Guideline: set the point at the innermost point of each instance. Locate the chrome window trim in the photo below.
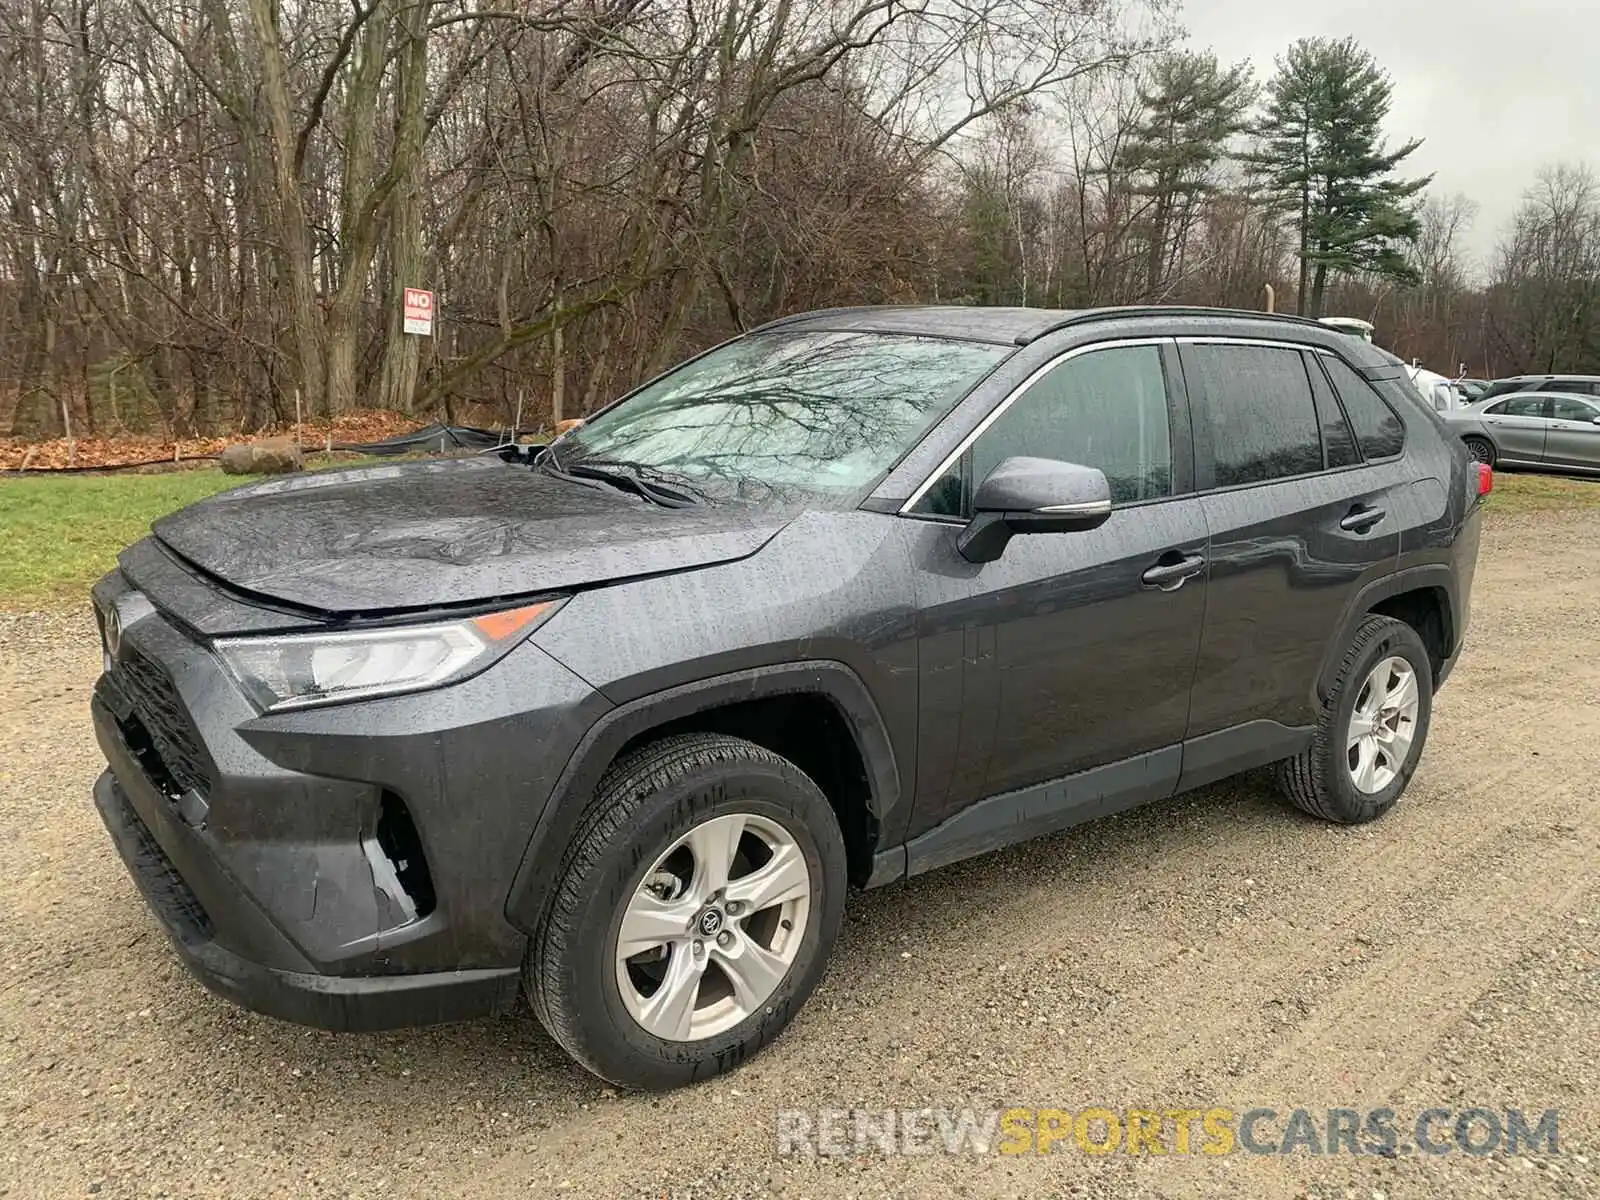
(1017, 392)
(1274, 343)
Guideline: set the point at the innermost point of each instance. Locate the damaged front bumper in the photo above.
(303, 996)
(344, 867)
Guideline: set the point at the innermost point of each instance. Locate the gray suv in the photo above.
(1571, 385)
(614, 723)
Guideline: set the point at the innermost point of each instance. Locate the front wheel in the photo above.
(1481, 449)
(1372, 727)
(695, 913)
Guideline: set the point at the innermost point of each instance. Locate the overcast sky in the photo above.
(1498, 88)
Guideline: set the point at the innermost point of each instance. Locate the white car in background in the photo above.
(1354, 326)
(1436, 389)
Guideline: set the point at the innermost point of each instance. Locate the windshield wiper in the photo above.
(637, 478)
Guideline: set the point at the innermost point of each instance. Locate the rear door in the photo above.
(1300, 517)
(1518, 425)
(1573, 438)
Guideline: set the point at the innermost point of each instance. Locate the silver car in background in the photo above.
(1531, 429)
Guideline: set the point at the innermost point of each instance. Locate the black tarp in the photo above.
(434, 439)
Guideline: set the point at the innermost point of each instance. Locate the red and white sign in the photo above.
(419, 312)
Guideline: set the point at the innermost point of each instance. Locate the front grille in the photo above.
(154, 700)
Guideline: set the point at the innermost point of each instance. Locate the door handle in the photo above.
(1359, 520)
(1169, 576)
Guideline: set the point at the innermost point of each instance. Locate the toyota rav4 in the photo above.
(614, 723)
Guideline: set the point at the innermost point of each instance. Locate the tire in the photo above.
(1481, 449)
(1322, 779)
(646, 805)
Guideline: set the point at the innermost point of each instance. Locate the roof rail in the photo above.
(812, 314)
(1090, 315)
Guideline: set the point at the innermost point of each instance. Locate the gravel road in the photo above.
(1215, 950)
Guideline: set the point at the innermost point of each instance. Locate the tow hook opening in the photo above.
(399, 867)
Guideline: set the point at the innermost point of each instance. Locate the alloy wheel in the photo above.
(713, 928)
(1383, 725)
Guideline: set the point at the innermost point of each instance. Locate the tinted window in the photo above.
(1257, 403)
(1106, 409)
(1584, 387)
(1519, 406)
(1379, 430)
(1338, 443)
(820, 412)
(1501, 387)
(1568, 409)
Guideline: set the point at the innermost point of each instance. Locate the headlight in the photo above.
(324, 668)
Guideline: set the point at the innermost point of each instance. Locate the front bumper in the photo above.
(326, 1001)
(266, 844)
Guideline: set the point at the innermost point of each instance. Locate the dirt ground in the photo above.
(1218, 949)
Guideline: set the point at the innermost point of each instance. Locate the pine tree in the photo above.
(1321, 154)
(1191, 109)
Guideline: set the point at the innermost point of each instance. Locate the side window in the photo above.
(1105, 409)
(1568, 409)
(1338, 443)
(1379, 430)
(1257, 405)
(1518, 406)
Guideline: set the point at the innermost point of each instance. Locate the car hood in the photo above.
(427, 535)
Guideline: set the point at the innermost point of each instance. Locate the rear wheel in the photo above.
(695, 912)
(1481, 449)
(1372, 728)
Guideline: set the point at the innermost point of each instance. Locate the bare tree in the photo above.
(208, 208)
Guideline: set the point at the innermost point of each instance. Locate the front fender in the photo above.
(536, 877)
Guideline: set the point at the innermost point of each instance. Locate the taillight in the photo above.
(1485, 478)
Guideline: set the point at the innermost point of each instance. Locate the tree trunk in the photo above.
(402, 352)
(558, 372)
(298, 279)
(1319, 290)
(1305, 223)
(358, 232)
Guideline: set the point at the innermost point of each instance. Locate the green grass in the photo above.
(59, 534)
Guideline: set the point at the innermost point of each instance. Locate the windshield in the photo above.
(821, 412)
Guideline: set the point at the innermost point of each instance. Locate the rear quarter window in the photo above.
(1379, 430)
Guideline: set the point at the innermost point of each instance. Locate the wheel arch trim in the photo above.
(1436, 576)
(835, 682)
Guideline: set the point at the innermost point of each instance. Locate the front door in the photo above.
(1573, 438)
(1067, 657)
(1518, 426)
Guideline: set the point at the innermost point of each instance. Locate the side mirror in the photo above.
(1032, 495)
(1597, 420)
